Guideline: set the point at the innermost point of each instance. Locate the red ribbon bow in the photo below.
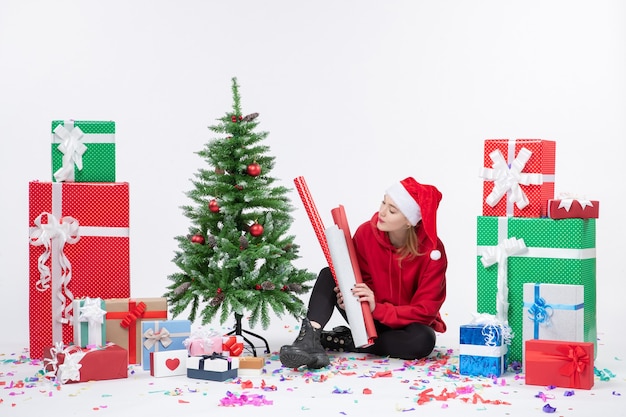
(577, 360)
(133, 315)
(233, 347)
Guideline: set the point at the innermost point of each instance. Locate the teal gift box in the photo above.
(482, 350)
(162, 335)
(557, 252)
(83, 151)
(89, 321)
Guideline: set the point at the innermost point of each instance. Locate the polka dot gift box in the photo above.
(557, 252)
(79, 247)
(83, 151)
(518, 177)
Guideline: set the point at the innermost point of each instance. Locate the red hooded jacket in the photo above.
(411, 291)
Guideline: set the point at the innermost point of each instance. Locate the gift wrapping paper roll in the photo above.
(346, 280)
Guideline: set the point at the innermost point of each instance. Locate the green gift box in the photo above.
(556, 252)
(83, 151)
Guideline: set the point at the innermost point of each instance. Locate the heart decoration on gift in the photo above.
(172, 364)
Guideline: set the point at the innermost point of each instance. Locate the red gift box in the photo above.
(124, 317)
(75, 364)
(573, 208)
(79, 247)
(559, 363)
(518, 177)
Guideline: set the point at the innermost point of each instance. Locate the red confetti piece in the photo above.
(367, 391)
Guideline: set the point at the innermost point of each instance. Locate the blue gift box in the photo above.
(482, 351)
(162, 335)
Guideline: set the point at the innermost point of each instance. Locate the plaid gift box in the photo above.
(79, 247)
(558, 252)
(124, 318)
(162, 335)
(518, 177)
(83, 151)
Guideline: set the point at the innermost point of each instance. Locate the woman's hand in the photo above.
(363, 293)
(340, 298)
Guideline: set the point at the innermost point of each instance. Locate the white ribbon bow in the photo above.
(92, 313)
(499, 254)
(567, 199)
(65, 231)
(69, 370)
(72, 148)
(507, 178)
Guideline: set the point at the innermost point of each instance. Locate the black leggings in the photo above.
(414, 341)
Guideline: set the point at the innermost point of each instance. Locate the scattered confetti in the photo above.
(548, 409)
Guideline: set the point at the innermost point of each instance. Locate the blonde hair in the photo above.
(410, 249)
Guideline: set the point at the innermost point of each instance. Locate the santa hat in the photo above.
(418, 202)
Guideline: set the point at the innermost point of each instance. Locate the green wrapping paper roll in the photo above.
(559, 252)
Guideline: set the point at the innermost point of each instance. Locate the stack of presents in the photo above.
(536, 272)
(82, 321)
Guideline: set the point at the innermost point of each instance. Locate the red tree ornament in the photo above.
(239, 187)
(256, 230)
(257, 287)
(254, 169)
(233, 119)
(197, 239)
(213, 206)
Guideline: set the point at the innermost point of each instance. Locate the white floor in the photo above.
(351, 385)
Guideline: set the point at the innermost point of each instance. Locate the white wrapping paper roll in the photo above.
(346, 279)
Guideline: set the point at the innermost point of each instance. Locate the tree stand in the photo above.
(239, 332)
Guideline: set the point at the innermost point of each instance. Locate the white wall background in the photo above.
(355, 95)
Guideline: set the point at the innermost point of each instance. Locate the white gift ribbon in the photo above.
(567, 199)
(92, 313)
(53, 236)
(499, 254)
(69, 370)
(507, 179)
(72, 147)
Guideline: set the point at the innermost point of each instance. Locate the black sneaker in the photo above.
(338, 339)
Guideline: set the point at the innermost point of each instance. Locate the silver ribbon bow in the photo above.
(152, 337)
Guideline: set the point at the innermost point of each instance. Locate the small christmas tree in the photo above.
(238, 255)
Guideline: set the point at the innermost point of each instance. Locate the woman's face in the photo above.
(390, 218)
